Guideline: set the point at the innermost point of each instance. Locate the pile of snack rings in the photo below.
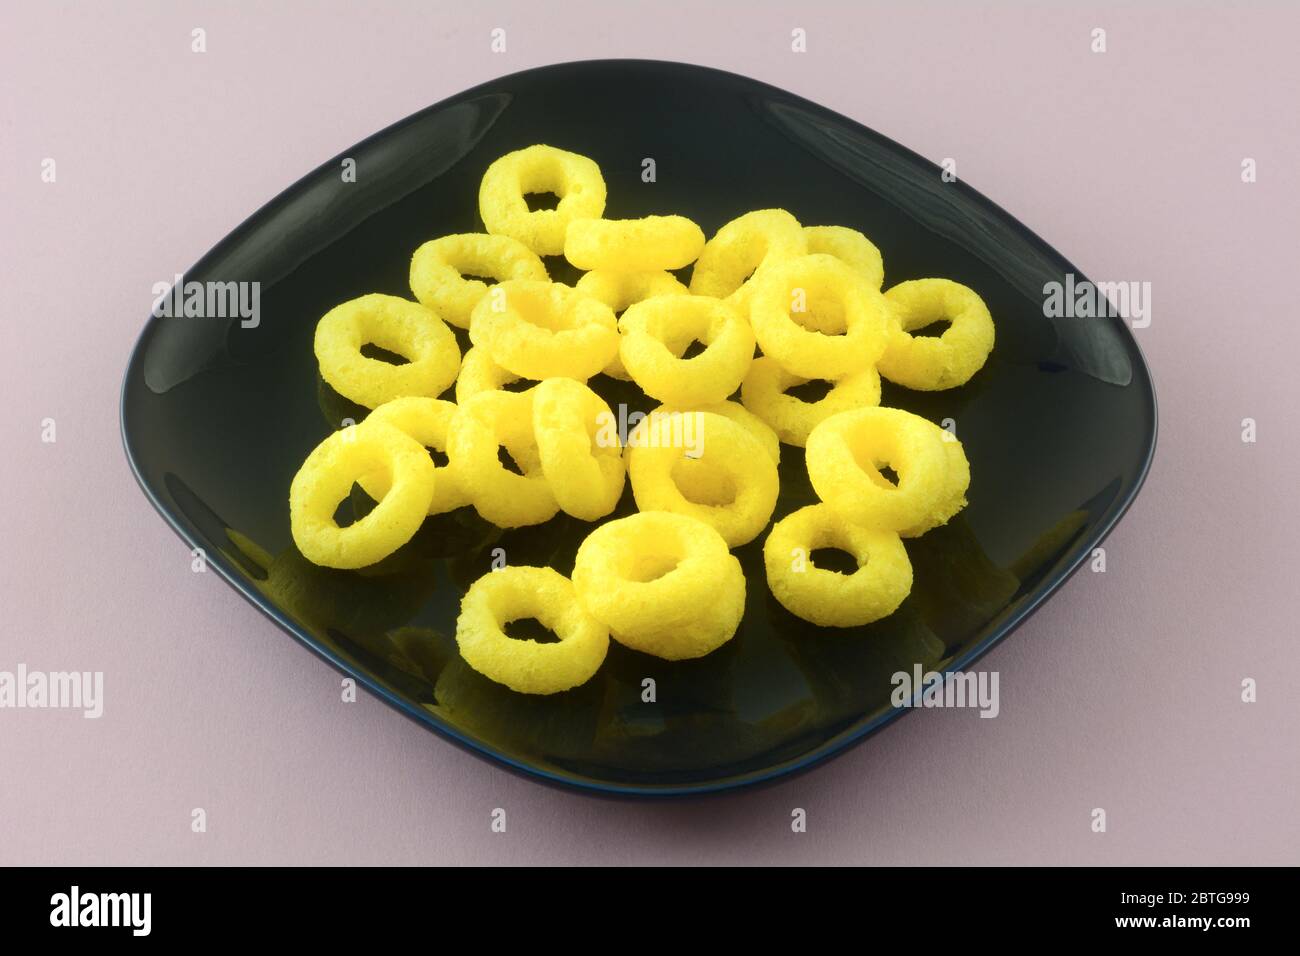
(662, 581)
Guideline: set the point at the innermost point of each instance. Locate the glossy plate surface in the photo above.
(1059, 426)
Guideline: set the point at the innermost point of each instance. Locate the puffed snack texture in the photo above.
(781, 333)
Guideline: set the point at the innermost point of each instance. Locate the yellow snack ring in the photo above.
(577, 442)
(743, 247)
(854, 250)
(664, 584)
(540, 169)
(618, 290)
(953, 497)
(426, 420)
(702, 481)
(526, 666)
(407, 328)
(478, 373)
(850, 247)
(439, 271)
(658, 330)
(844, 454)
(327, 477)
(814, 282)
(633, 245)
(728, 449)
(483, 424)
(544, 330)
(764, 394)
(827, 598)
(929, 364)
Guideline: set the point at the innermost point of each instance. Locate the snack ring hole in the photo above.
(717, 490)
(820, 313)
(693, 348)
(535, 312)
(508, 460)
(345, 514)
(689, 338)
(650, 567)
(543, 183)
(811, 391)
(878, 470)
(529, 629)
(381, 341)
(643, 565)
(356, 502)
(934, 330)
(380, 354)
(833, 559)
(877, 460)
(547, 199)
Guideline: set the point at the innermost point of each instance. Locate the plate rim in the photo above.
(832, 747)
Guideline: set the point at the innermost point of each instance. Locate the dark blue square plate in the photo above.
(217, 415)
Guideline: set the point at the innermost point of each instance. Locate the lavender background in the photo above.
(1122, 693)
